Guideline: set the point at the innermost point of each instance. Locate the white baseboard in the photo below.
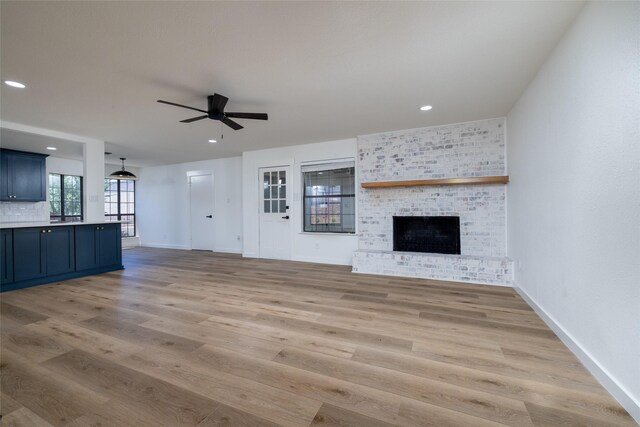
(228, 250)
(187, 248)
(316, 260)
(319, 260)
(164, 246)
(130, 242)
(602, 375)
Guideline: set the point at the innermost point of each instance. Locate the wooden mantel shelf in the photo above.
(477, 180)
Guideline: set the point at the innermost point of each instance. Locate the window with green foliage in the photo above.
(65, 198)
(119, 204)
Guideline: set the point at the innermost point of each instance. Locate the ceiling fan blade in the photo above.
(193, 119)
(217, 102)
(256, 116)
(233, 125)
(181, 106)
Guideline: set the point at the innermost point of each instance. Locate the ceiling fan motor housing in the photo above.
(215, 111)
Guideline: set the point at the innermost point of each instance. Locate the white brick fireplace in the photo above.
(463, 150)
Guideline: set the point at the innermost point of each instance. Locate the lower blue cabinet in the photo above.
(98, 246)
(60, 251)
(29, 257)
(40, 252)
(6, 256)
(37, 255)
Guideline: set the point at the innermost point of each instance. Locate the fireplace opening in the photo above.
(431, 234)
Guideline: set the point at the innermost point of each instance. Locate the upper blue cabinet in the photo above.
(23, 176)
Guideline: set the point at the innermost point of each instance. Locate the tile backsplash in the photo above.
(24, 211)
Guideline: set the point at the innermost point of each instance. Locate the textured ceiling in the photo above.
(321, 70)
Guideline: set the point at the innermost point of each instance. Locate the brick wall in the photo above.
(459, 150)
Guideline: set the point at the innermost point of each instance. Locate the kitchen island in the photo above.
(35, 253)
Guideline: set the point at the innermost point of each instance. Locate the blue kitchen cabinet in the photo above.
(98, 246)
(23, 176)
(29, 258)
(60, 251)
(42, 251)
(37, 255)
(6, 257)
(110, 245)
(87, 246)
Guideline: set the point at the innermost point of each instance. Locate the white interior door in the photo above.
(275, 225)
(201, 211)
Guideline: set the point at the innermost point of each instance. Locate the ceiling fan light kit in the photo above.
(215, 111)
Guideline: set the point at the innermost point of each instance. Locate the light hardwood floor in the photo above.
(194, 338)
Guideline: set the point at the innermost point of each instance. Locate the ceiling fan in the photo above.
(215, 111)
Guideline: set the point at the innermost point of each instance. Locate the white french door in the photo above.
(275, 223)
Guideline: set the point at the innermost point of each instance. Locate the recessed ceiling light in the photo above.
(213, 141)
(51, 148)
(426, 108)
(14, 84)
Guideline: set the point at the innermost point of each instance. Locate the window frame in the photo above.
(119, 215)
(63, 217)
(327, 167)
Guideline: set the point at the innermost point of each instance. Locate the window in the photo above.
(329, 198)
(119, 204)
(275, 192)
(65, 198)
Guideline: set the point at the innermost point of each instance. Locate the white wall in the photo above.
(323, 248)
(64, 166)
(162, 206)
(574, 198)
(76, 167)
(93, 180)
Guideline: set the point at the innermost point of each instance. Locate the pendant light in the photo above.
(122, 174)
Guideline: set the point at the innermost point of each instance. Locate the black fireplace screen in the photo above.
(432, 234)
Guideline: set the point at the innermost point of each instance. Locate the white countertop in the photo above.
(26, 224)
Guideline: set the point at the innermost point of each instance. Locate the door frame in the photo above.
(292, 210)
(213, 201)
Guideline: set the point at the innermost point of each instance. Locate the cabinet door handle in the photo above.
(43, 231)
(48, 231)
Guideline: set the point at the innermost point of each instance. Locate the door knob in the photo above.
(209, 216)
(285, 217)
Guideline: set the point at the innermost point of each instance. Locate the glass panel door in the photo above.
(274, 192)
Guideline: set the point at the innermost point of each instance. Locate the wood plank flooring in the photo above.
(201, 339)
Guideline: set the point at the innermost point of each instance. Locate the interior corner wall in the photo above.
(93, 180)
(321, 247)
(574, 201)
(162, 205)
